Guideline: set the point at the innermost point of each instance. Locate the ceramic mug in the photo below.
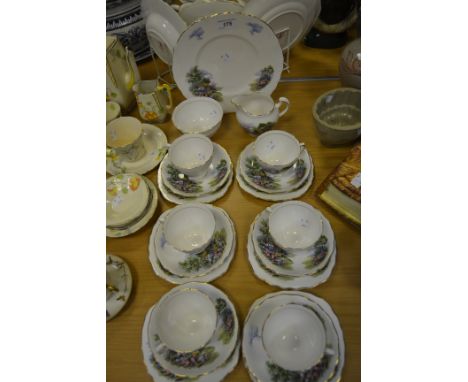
(153, 100)
(258, 113)
(124, 139)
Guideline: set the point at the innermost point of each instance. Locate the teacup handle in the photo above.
(166, 89)
(282, 101)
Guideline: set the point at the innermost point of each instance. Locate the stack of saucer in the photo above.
(131, 201)
(292, 336)
(275, 167)
(192, 333)
(291, 245)
(195, 170)
(192, 242)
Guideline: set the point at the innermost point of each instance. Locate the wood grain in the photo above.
(342, 290)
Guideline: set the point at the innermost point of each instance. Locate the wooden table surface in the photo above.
(342, 290)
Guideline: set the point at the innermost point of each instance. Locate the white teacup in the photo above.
(191, 154)
(124, 139)
(295, 225)
(189, 227)
(185, 320)
(294, 337)
(277, 150)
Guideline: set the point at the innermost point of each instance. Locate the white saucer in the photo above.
(118, 275)
(284, 281)
(297, 263)
(182, 185)
(174, 279)
(159, 374)
(273, 197)
(155, 142)
(141, 222)
(215, 352)
(279, 183)
(256, 359)
(207, 198)
(190, 12)
(178, 262)
(281, 15)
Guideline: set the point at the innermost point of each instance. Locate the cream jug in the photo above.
(121, 73)
(153, 100)
(258, 113)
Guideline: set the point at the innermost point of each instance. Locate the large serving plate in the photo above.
(225, 55)
(163, 28)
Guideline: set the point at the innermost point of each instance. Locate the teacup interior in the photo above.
(197, 116)
(190, 152)
(294, 337)
(277, 148)
(186, 320)
(123, 131)
(189, 228)
(295, 225)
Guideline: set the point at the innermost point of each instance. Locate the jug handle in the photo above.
(281, 101)
(167, 89)
(131, 82)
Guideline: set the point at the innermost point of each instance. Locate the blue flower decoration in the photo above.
(254, 28)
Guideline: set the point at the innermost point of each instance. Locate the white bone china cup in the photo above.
(191, 154)
(277, 150)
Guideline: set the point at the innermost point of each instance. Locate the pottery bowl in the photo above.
(126, 198)
(199, 115)
(191, 154)
(337, 116)
(294, 337)
(189, 227)
(185, 320)
(276, 150)
(295, 225)
(112, 111)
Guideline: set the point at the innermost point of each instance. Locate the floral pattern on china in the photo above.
(225, 55)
